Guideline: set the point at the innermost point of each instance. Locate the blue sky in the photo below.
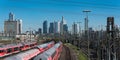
(34, 12)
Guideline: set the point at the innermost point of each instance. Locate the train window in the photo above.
(21, 47)
(31, 45)
(26, 46)
(16, 49)
(1, 51)
(9, 50)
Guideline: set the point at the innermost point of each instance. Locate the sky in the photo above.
(34, 12)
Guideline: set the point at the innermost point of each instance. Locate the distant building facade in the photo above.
(51, 28)
(65, 28)
(40, 31)
(61, 25)
(57, 27)
(12, 27)
(75, 28)
(45, 29)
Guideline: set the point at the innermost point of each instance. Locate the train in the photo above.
(51, 54)
(8, 49)
(27, 55)
(45, 46)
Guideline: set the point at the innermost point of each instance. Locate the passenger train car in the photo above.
(51, 54)
(14, 48)
(45, 46)
(24, 55)
(27, 55)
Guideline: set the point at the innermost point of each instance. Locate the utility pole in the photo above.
(111, 48)
(87, 31)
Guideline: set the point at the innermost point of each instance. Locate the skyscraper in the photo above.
(75, 28)
(45, 27)
(11, 16)
(61, 25)
(57, 27)
(65, 28)
(39, 31)
(20, 26)
(51, 28)
(12, 27)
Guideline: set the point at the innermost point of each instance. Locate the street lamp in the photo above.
(86, 19)
(87, 30)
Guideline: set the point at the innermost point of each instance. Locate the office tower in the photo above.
(19, 26)
(39, 31)
(75, 28)
(65, 28)
(61, 25)
(11, 16)
(12, 27)
(57, 27)
(51, 28)
(45, 27)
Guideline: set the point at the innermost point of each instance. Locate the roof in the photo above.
(22, 55)
(42, 46)
(9, 46)
(50, 42)
(47, 53)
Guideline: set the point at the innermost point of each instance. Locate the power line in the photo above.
(76, 4)
(56, 11)
(71, 3)
(90, 3)
(66, 1)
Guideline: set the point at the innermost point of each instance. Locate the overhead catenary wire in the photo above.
(67, 3)
(71, 3)
(82, 2)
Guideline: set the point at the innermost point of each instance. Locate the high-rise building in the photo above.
(75, 28)
(39, 30)
(61, 25)
(20, 26)
(65, 28)
(11, 17)
(12, 27)
(45, 29)
(57, 27)
(51, 28)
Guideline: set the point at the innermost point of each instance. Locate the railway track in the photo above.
(67, 52)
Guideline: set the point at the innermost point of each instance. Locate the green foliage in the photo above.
(80, 54)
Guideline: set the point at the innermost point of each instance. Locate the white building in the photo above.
(12, 27)
(75, 28)
(20, 26)
(61, 25)
(57, 27)
(25, 37)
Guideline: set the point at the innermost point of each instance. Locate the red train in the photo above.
(51, 54)
(14, 48)
(45, 46)
(27, 55)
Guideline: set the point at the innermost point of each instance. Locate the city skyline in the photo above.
(34, 12)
